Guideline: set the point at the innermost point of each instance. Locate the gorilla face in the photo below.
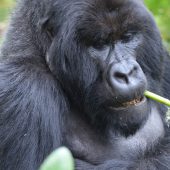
(102, 62)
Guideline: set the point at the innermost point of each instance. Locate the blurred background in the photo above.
(160, 9)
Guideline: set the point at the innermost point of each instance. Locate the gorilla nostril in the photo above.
(121, 77)
(135, 68)
(133, 71)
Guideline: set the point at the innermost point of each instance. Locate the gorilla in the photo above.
(73, 73)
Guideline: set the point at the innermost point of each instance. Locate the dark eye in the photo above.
(100, 45)
(50, 32)
(127, 37)
(100, 53)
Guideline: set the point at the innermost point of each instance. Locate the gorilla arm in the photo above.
(112, 164)
(29, 130)
(150, 162)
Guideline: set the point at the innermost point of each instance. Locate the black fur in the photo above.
(55, 86)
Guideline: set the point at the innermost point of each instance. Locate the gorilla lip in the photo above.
(133, 102)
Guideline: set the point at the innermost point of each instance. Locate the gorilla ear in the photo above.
(45, 26)
(50, 59)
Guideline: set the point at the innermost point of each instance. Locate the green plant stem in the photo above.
(157, 98)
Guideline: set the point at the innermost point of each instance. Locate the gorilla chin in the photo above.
(131, 115)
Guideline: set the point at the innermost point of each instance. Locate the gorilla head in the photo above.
(73, 73)
(99, 54)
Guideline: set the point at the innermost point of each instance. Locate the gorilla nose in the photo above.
(126, 76)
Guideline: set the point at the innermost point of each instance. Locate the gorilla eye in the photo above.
(127, 37)
(99, 52)
(50, 32)
(99, 47)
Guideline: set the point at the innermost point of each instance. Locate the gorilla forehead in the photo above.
(98, 19)
(99, 9)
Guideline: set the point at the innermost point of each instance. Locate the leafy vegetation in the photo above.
(161, 11)
(60, 159)
(5, 7)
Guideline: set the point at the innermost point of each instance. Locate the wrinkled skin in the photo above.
(73, 73)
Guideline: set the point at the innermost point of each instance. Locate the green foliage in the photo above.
(5, 7)
(4, 13)
(60, 159)
(6, 2)
(161, 11)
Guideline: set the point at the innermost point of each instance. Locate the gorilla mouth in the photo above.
(135, 102)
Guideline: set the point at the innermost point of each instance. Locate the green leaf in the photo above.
(60, 159)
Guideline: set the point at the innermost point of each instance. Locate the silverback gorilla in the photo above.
(73, 73)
